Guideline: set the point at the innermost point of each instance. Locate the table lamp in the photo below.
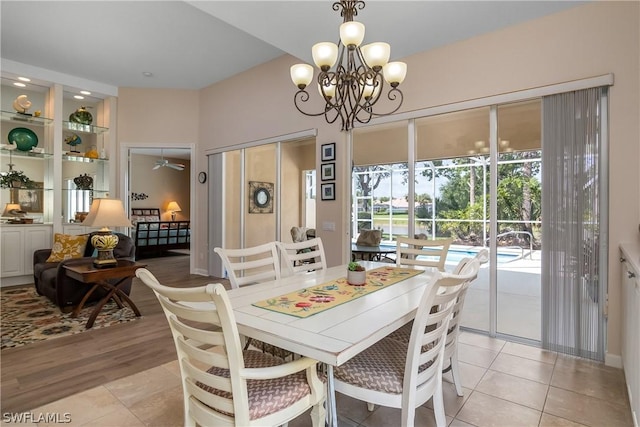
(174, 207)
(14, 212)
(106, 213)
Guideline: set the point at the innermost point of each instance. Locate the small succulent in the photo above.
(354, 266)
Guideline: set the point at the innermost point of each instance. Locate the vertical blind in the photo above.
(573, 283)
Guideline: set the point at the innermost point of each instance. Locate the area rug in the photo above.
(27, 317)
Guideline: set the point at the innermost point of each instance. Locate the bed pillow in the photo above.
(67, 246)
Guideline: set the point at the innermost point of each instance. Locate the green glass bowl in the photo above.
(23, 138)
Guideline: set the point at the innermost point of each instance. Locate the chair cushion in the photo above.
(379, 367)
(66, 246)
(265, 396)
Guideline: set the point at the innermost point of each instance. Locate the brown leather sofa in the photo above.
(51, 281)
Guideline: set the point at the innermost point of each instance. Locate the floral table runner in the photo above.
(310, 301)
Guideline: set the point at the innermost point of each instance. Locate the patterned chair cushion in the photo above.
(265, 396)
(380, 367)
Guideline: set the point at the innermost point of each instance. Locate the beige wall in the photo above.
(585, 41)
(161, 185)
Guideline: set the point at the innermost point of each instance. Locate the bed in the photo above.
(153, 237)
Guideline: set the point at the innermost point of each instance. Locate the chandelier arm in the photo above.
(303, 96)
(394, 94)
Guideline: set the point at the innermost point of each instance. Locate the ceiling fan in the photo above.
(162, 162)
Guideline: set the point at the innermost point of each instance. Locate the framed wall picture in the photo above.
(328, 171)
(260, 197)
(328, 152)
(30, 199)
(328, 191)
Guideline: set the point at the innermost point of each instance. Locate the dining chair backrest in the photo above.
(425, 356)
(222, 385)
(407, 374)
(421, 252)
(301, 257)
(251, 265)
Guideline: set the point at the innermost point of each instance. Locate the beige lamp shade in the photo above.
(173, 206)
(13, 209)
(107, 213)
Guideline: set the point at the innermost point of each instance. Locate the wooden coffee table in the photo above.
(98, 277)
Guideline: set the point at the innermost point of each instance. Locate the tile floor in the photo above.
(506, 384)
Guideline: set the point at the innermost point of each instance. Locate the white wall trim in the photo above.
(613, 360)
(282, 138)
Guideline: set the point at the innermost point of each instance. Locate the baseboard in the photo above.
(613, 360)
(16, 280)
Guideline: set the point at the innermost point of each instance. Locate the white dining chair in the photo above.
(250, 265)
(301, 257)
(450, 362)
(421, 252)
(222, 384)
(406, 375)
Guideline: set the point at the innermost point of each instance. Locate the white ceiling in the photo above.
(192, 44)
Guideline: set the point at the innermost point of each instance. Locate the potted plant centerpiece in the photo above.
(356, 274)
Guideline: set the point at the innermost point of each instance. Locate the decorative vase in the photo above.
(92, 153)
(83, 182)
(82, 116)
(357, 278)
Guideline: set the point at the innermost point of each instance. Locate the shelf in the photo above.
(79, 127)
(30, 154)
(23, 118)
(100, 192)
(82, 159)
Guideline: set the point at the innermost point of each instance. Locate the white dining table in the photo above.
(337, 334)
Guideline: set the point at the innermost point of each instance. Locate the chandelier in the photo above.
(352, 85)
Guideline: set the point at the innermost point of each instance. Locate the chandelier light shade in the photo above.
(351, 78)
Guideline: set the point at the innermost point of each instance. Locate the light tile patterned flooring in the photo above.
(505, 384)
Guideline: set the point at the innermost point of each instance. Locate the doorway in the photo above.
(149, 181)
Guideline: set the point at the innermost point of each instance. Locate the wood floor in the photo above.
(43, 372)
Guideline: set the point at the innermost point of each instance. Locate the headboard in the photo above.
(144, 214)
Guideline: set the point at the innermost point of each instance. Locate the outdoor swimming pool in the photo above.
(455, 255)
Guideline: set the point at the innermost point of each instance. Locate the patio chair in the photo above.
(425, 253)
(304, 256)
(450, 362)
(406, 375)
(222, 384)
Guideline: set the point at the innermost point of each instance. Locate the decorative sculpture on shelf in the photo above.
(73, 140)
(82, 116)
(83, 182)
(21, 104)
